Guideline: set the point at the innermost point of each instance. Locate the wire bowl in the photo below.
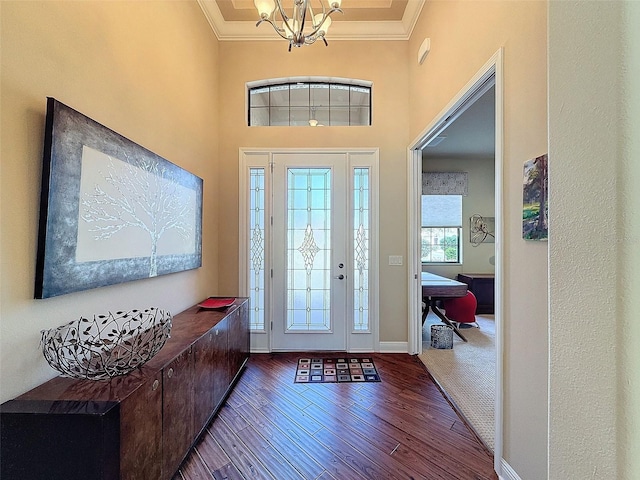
(109, 345)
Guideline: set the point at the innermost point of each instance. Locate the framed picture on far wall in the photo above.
(482, 230)
(535, 194)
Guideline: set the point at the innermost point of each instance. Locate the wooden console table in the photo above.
(138, 426)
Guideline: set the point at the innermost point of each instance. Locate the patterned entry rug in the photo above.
(332, 370)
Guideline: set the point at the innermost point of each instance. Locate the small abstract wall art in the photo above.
(535, 205)
(111, 211)
(482, 230)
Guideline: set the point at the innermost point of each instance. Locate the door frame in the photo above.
(493, 67)
(261, 342)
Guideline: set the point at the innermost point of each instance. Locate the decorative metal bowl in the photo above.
(107, 346)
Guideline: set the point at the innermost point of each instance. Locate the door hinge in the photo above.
(271, 273)
(271, 325)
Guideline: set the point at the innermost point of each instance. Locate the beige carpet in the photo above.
(467, 372)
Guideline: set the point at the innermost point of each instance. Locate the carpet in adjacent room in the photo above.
(467, 373)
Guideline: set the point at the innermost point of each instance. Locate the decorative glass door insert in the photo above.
(309, 233)
(257, 249)
(361, 248)
(308, 249)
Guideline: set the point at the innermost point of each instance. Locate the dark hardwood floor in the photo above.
(272, 428)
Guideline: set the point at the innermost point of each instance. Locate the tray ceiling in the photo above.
(362, 19)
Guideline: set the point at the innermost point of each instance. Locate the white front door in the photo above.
(310, 249)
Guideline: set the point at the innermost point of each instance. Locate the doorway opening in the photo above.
(489, 77)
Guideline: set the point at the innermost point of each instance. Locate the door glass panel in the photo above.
(361, 215)
(257, 248)
(308, 249)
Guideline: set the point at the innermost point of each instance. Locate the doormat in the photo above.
(336, 370)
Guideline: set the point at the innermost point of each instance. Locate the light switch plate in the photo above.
(395, 259)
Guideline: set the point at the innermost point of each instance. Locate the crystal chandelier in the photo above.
(292, 27)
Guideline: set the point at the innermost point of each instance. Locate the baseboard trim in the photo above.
(385, 347)
(260, 350)
(367, 351)
(507, 473)
(394, 347)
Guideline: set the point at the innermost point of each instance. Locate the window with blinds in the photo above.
(441, 228)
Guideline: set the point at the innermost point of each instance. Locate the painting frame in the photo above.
(64, 209)
(535, 199)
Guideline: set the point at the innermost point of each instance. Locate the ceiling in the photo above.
(362, 19)
(471, 135)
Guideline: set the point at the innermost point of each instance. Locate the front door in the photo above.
(310, 251)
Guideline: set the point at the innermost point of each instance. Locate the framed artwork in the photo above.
(535, 208)
(482, 230)
(111, 211)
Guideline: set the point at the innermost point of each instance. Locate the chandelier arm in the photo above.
(282, 12)
(324, 15)
(278, 30)
(285, 20)
(299, 36)
(317, 29)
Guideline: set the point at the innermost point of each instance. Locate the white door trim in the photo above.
(494, 66)
(262, 157)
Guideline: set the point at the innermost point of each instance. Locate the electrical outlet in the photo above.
(395, 259)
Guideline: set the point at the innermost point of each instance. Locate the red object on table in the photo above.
(216, 302)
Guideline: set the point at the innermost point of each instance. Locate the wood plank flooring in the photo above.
(272, 428)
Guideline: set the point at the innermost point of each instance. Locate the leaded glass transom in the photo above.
(310, 103)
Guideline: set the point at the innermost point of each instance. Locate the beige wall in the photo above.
(464, 35)
(383, 63)
(629, 255)
(145, 69)
(594, 117)
(481, 200)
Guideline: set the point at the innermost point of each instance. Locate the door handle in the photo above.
(339, 277)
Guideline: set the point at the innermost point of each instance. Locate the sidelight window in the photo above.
(257, 249)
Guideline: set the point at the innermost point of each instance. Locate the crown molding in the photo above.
(247, 31)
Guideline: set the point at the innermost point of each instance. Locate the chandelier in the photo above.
(292, 28)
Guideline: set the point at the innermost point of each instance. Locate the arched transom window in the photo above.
(309, 101)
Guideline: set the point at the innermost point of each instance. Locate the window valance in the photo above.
(445, 183)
